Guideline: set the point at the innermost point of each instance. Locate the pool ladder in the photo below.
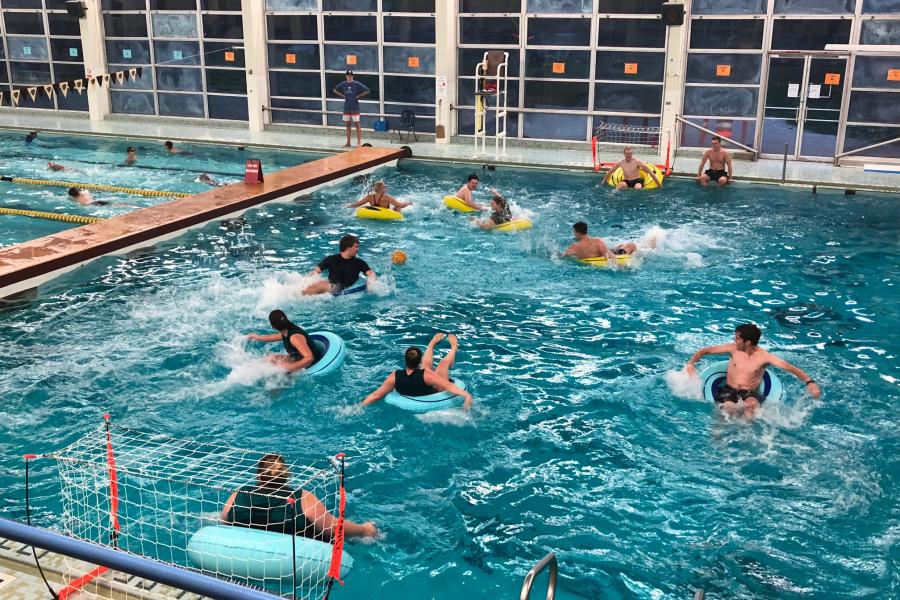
(547, 561)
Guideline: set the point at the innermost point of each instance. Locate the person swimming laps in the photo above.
(418, 378)
(270, 503)
(301, 351)
(745, 371)
(343, 269)
(379, 198)
(586, 246)
(500, 212)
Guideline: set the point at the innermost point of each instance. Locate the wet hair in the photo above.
(271, 473)
(278, 320)
(74, 191)
(377, 184)
(715, 138)
(501, 201)
(168, 144)
(413, 357)
(749, 333)
(348, 241)
(471, 177)
(130, 149)
(580, 227)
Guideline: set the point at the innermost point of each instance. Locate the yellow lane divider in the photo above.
(37, 214)
(94, 186)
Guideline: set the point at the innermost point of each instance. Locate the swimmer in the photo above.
(30, 136)
(55, 166)
(85, 198)
(417, 379)
(301, 351)
(593, 247)
(745, 371)
(343, 269)
(631, 172)
(208, 180)
(719, 159)
(380, 198)
(465, 192)
(500, 215)
(131, 156)
(265, 506)
(171, 149)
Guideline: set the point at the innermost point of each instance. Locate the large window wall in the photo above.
(388, 44)
(572, 63)
(191, 54)
(41, 45)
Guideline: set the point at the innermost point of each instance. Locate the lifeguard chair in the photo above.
(491, 81)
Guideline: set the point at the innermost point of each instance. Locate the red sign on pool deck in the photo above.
(253, 172)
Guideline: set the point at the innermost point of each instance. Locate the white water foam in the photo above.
(683, 384)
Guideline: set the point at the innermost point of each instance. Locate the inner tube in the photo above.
(263, 558)
(458, 205)
(515, 225)
(361, 286)
(421, 404)
(618, 177)
(333, 350)
(714, 375)
(602, 261)
(379, 214)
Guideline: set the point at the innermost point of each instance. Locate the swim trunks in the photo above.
(726, 393)
(634, 182)
(716, 175)
(620, 251)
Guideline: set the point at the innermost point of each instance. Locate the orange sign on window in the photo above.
(290, 59)
(893, 75)
(631, 68)
(832, 78)
(413, 62)
(559, 67)
(351, 59)
(723, 70)
(229, 57)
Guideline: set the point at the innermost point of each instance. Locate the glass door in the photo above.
(821, 116)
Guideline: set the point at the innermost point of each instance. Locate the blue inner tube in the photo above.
(333, 351)
(361, 286)
(713, 376)
(420, 404)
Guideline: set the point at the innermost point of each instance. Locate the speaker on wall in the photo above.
(673, 13)
(76, 8)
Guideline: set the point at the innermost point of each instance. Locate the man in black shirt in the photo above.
(343, 269)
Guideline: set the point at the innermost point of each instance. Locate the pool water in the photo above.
(583, 440)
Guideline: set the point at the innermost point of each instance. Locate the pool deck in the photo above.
(25, 266)
(461, 150)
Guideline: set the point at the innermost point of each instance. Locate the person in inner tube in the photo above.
(379, 198)
(586, 246)
(500, 212)
(417, 379)
(631, 172)
(465, 192)
(343, 269)
(745, 371)
(301, 351)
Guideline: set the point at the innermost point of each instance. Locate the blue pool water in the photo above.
(581, 441)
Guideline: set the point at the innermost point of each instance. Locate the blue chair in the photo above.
(406, 123)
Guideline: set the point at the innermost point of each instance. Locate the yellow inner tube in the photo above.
(378, 213)
(514, 225)
(618, 177)
(602, 261)
(458, 205)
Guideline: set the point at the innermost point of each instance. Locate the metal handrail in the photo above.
(549, 560)
(724, 139)
(837, 157)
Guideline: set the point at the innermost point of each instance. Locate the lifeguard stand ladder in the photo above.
(491, 82)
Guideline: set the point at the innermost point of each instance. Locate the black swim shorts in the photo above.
(716, 175)
(620, 251)
(634, 182)
(337, 288)
(726, 393)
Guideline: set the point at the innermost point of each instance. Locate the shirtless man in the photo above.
(171, 149)
(55, 166)
(745, 371)
(592, 247)
(380, 198)
(465, 193)
(631, 172)
(719, 158)
(130, 156)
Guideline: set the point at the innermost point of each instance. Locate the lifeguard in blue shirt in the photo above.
(351, 91)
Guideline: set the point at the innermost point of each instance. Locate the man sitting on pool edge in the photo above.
(745, 371)
(594, 247)
(343, 269)
(301, 351)
(417, 379)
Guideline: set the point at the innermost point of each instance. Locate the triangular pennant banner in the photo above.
(15, 96)
(91, 80)
(48, 89)
(64, 88)
(140, 72)
(132, 72)
(120, 77)
(105, 79)
(32, 91)
(78, 84)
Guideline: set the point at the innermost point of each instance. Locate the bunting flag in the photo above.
(91, 80)
(48, 89)
(140, 72)
(78, 84)
(15, 96)
(132, 72)
(32, 91)
(64, 88)
(104, 79)
(120, 77)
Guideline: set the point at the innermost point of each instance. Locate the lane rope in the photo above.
(93, 186)
(52, 216)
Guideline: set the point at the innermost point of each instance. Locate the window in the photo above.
(728, 7)
(558, 64)
(490, 6)
(230, 27)
(292, 27)
(636, 7)
(489, 30)
(874, 107)
(413, 30)
(623, 97)
(632, 33)
(741, 68)
(732, 34)
(650, 66)
(556, 94)
(24, 23)
(809, 34)
(125, 25)
(721, 101)
(880, 32)
(559, 32)
(814, 7)
(355, 29)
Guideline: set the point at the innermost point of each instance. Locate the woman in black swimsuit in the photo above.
(379, 198)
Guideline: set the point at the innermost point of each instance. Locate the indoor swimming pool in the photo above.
(583, 439)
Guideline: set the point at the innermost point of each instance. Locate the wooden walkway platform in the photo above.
(25, 266)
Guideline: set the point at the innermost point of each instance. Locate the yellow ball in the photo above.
(398, 257)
